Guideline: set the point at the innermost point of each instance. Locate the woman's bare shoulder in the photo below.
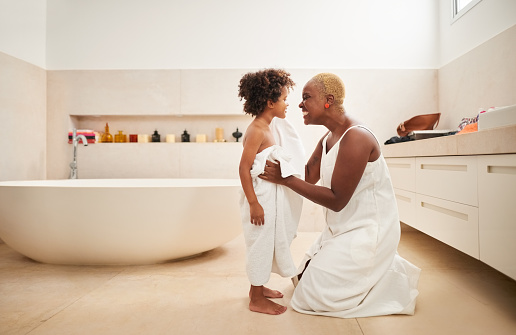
(361, 139)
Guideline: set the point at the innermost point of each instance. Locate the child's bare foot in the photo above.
(259, 302)
(264, 305)
(269, 293)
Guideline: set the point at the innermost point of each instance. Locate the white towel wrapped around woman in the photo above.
(268, 245)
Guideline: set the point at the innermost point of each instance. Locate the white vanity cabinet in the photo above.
(403, 176)
(453, 178)
(438, 196)
(447, 200)
(451, 222)
(403, 172)
(406, 206)
(461, 190)
(497, 220)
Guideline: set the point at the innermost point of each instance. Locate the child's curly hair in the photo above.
(259, 87)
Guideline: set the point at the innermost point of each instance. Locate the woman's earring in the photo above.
(326, 105)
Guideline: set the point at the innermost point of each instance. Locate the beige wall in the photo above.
(482, 78)
(164, 34)
(380, 98)
(22, 120)
(23, 30)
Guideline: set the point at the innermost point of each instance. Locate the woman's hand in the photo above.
(257, 214)
(272, 173)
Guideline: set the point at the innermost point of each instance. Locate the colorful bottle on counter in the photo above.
(106, 137)
(120, 137)
(156, 137)
(185, 137)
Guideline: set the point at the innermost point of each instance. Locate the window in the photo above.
(460, 7)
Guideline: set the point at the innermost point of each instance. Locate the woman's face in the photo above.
(312, 105)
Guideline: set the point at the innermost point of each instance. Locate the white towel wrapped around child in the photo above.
(268, 245)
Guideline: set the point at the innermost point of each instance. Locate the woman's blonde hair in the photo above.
(330, 83)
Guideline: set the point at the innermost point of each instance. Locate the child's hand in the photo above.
(257, 214)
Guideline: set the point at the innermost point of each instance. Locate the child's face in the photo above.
(281, 105)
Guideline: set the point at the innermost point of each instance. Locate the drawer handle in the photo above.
(501, 169)
(446, 211)
(399, 166)
(444, 167)
(402, 198)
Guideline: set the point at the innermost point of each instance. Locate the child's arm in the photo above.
(252, 141)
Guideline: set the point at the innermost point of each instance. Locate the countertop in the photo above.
(500, 140)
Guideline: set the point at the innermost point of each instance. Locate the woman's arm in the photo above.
(313, 166)
(354, 152)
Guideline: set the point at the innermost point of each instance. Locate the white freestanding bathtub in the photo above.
(118, 221)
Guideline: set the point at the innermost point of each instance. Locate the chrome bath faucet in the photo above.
(75, 141)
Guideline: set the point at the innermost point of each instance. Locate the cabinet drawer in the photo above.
(450, 222)
(451, 178)
(403, 173)
(497, 212)
(406, 206)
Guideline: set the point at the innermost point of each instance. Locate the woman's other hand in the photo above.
(272, 173)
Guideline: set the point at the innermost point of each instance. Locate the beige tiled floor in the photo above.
(208, 295)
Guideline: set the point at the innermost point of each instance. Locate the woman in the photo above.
(353, 269)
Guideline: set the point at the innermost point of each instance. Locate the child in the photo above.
(270, 212)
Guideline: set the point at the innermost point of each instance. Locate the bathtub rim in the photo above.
(124, 182)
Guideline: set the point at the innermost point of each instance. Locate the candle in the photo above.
(170, 138)
(200, 138)
(219, 134)
(143, 138)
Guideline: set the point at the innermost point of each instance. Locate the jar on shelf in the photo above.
(185, 137)
(156, 137)
(120, 137)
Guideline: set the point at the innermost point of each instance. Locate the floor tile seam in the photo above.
(42, 322)
(179, 275)
(446, 270)
(174, 269)
(85, 294)
(455, 268)
(359, 326)
(459, 288)
(82, 296)
(190, 274)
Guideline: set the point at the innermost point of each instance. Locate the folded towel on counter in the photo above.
(268, 246)
(89, 140)
(89, 134)
(470, 128)
(83, 132)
